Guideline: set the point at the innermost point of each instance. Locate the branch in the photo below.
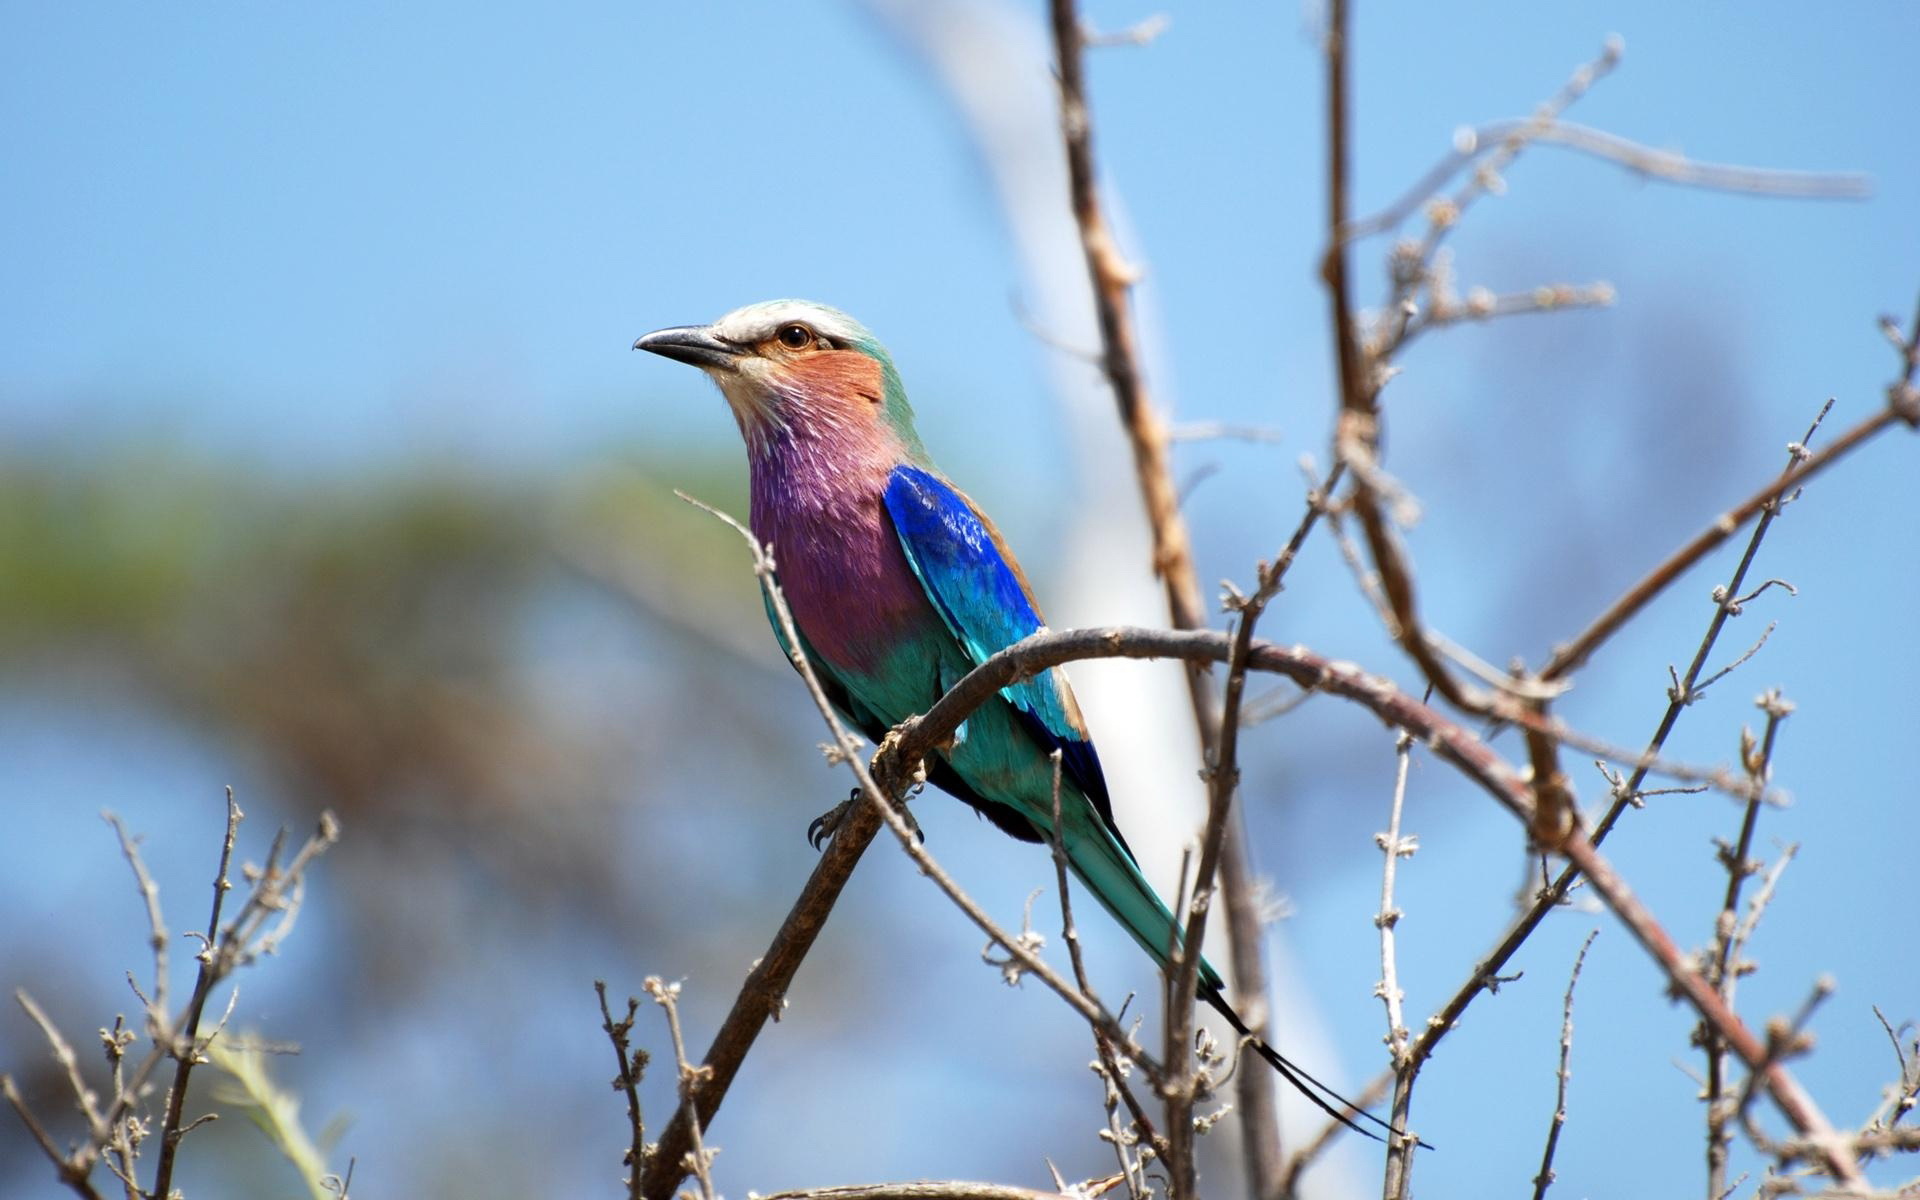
(186, 1056)
(633, 1063)
(1109, 1064)
(1544, 1180)
(119, 1127)
(1724, 965)
(1575, 653)
(1392, 849)
(1665, 166)
(1445, 738)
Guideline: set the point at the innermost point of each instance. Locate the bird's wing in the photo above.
(981, 594)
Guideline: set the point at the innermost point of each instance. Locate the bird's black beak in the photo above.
(693, 344)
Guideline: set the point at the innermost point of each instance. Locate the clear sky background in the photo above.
(318, 245)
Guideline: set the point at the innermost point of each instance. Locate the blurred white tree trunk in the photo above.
(994, 60)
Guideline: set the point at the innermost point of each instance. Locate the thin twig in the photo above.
(1685, 689)
(1724, 964)
(1115, 1079)
(185, 1039)
(1664, 166)
(1904, 1094)
(1544, 1180)
(157, 938)
(72, 1172)
(633, 1064)
(1576, 652)
(697, 1159)
(1392, 849)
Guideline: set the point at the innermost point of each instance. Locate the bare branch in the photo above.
(633, 1064)
(1110, 1069)
(1544, 1180)
(1111, 279)
(157, 937)
(698, 1159)
(1393, 848)
(1664, 166)
(1576, 652)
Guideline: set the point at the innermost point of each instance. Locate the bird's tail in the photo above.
(1324, 1098)
(1110, 873)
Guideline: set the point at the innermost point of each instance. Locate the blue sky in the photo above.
(322, 241)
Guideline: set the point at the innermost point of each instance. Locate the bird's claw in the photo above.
(827, 823)
(824, 826)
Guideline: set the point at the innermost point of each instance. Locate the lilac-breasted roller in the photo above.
(899, 585)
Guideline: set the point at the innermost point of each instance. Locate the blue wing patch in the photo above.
(986, 606)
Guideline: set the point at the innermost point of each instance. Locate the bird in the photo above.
(898, 585)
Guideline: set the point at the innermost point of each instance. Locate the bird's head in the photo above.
(796, 369)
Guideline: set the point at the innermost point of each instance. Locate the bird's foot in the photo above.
(828, 823)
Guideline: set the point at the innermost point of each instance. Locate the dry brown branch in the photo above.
(1544, 1179)
(1111, 279)
(1832, 1149)
(1626, 793)
(1357, 433)
(760, 996)
(1447, 739)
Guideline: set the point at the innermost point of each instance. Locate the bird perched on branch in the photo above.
(899, 585)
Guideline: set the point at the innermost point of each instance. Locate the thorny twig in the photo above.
(1544, 1179)
(1108, 1066)
(1724, 966)
(1626, 793)
(1446, 739)
(1393, 848)
(698, 1159)
(632, 1061)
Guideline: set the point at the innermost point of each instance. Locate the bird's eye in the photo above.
(795, 336)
